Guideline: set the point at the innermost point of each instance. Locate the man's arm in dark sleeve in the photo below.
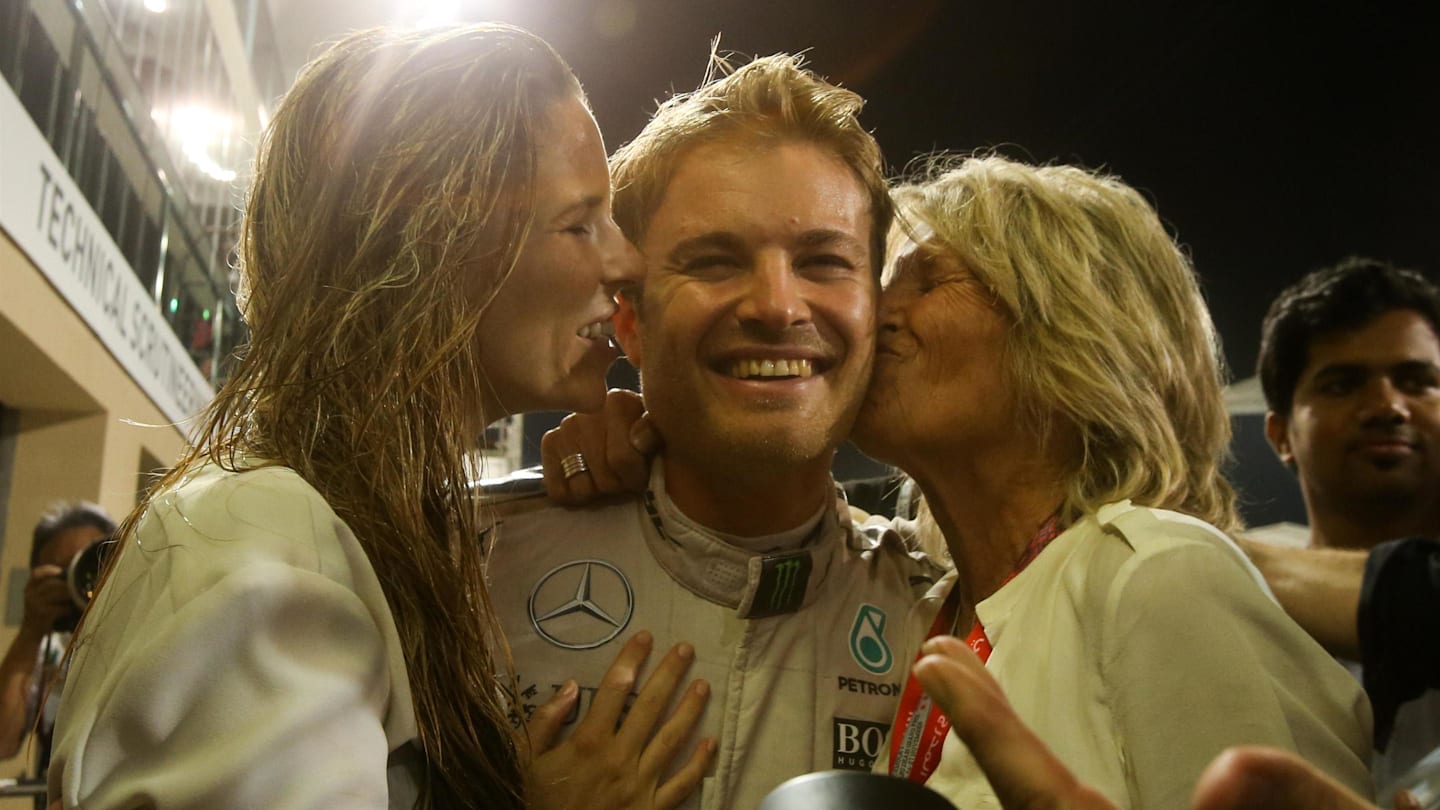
(1399, 626)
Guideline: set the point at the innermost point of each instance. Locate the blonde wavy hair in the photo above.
(770, 99)
(1111, 333)
(391, 198)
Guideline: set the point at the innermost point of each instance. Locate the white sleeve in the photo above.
(266, 689)
(1199, 659)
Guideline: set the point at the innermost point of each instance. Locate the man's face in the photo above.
(1364, 429)
(757, 324)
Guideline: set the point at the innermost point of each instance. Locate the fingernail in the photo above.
(685, 651)
(643, 637)
(569, 688)
(702, 688)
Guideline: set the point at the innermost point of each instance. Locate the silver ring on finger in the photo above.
(573, 464)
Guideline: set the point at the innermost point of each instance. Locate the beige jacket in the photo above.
(1138, 646)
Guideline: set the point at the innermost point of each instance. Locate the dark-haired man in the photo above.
(34, 655)
(1350, 366)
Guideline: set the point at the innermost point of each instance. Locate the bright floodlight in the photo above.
(196, 128)
(437, 12)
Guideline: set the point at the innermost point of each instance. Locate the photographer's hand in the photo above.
(47, 598)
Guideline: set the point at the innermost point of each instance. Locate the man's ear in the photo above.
(1277, 432)
(627, 329)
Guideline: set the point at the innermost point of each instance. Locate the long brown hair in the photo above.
(391, 197)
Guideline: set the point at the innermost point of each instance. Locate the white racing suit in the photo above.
(802, 649)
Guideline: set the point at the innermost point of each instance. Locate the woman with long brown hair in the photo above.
(297, 614)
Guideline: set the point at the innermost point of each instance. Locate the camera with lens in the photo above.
(82, 577)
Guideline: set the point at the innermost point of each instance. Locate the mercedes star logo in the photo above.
(581, 604)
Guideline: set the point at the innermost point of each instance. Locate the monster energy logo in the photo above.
(783, 579)
(783, 589)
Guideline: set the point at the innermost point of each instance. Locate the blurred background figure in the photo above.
(1350, 366)
(28, 670)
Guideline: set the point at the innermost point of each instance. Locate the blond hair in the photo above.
(771, 99)
(391, 198)
(1111, 333)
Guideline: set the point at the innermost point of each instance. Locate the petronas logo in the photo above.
(867, 641)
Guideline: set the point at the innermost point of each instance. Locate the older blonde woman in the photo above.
(297, 616)
(1048, 374)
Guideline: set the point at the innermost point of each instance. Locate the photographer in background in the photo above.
(50, 614)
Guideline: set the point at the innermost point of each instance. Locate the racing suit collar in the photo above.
(756, 584)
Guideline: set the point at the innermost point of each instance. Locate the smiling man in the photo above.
(760, 206)
(1350, 366)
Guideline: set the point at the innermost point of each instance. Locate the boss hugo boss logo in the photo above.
(867, 641)
(857, 743)
(582, 604)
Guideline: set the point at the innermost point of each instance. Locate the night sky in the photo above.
(1273, 138)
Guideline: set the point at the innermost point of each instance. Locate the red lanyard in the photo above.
(920, 729)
